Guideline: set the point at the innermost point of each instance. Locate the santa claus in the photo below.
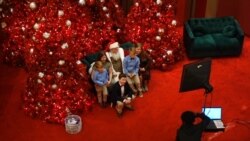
(115, 56)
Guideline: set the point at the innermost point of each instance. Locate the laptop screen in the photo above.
(212, 113)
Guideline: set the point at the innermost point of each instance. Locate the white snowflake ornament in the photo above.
(54, 86)
(61, 62)
(68, 23)
(60, 13)
(159, 2)
(82, 2)
(64, 45)
(59, 74)
(3, 24)
(39, 81)
(41, 74)
(104, 8)
(36, 26)
(32, 5)
(158, 14)
(31, 50)
(158, 38)
(78, 62)
(46, 35)
(174, 22)
(169, 52)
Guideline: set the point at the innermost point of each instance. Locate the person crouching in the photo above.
(121, 95)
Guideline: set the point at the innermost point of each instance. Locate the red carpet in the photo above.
(157, 115)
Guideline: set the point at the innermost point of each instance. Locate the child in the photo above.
(101, 80)
(105, 62)
(145, 63)
(131, 67)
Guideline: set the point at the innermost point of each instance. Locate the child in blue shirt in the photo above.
(101, 80)
(131, 65)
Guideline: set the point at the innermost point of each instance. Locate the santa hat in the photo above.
(114, 45)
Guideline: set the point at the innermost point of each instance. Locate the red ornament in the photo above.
(90, 2)
(164, 67)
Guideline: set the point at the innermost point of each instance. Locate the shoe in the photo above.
(104, 105)
(143, 89)
(130, 108)
(119, 114)
(140, 94)
(133, 96)
(101, 105)
(146, 88)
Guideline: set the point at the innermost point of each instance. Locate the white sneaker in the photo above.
(133, 96)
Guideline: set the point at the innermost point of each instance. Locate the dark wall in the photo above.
(239, 9)
(183, 11)
(200, 8)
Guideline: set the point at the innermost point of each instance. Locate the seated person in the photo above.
(131, 65)
(121, 95)
(115, 57)
(107, 65)
(145, 63)
(190, 131)
(101, 80)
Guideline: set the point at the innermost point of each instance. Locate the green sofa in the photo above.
(213, 37)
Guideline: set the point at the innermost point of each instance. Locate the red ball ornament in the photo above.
(164, 67)
(48, 77)
(90, 2)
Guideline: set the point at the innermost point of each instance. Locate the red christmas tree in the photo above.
(152, 22)
(108, 19)
(11, 52)
(52, 37)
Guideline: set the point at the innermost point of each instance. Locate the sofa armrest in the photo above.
(127, 45)
(189, 31)
(239, 30)
(240, 33)
(89, 59)
(188, 37)
(84, 61)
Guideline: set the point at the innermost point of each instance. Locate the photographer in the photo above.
(190, 131)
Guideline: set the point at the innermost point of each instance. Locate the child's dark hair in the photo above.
(122, 75)
(100, 54)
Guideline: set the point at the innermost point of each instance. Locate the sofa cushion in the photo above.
(205, 42)
(199, 30)
(225, 43)
(229, 31)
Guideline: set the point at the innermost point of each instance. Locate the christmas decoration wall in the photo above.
(153, 23)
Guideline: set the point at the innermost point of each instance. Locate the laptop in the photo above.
(214, 113)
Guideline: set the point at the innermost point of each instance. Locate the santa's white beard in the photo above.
(115, 56)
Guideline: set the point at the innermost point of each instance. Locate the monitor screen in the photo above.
(196, 75)
(212, 113)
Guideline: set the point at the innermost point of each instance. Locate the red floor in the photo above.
(156, 117)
